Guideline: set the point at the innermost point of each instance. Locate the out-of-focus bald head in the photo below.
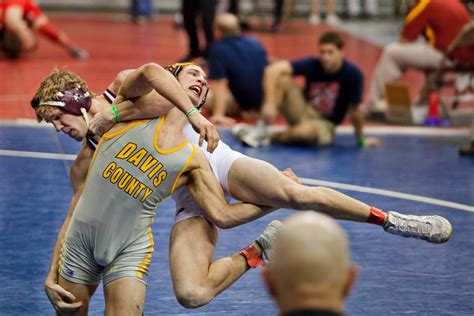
(310, 262)
(227, 25)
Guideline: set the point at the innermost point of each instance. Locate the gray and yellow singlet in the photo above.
(109, 234)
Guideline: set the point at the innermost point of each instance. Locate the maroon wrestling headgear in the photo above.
(72, 101)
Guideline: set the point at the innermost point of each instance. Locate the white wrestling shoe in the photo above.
(267, 237)
(432, 228)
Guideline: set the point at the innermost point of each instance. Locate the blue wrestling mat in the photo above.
(398, 276)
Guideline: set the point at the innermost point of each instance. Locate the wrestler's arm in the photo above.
(78, 174)
(152, 106)
(152, 77)
(209, 196)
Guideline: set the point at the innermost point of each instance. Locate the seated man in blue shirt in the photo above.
(236, 63)
(333, 88)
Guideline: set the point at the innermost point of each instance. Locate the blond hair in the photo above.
(50, 86)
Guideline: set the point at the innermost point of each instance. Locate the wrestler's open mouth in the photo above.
(196, 89)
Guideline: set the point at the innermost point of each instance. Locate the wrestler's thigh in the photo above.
(192, 244)
(124, 296)
(82, 292)
(256, 181)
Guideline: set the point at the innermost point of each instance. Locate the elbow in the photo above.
(151, 68)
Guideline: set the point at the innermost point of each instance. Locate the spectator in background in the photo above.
(371, 8)
(236, 63)
(20, 20)
(232, 6)
(439, 21)
(190, 10)
(310, 272)
(277, 15)
(142, 11)
(333, 88)
(331, 17)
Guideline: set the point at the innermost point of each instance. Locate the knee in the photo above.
(324, 141)
(284, 82)
(300, 197)
(221, 221)
(293, 195)
(391, 50)
(193, 297)
(223, 224)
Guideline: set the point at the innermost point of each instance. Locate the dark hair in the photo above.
(332, 37)
(11, 44)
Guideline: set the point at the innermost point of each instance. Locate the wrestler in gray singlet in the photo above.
(110, 233)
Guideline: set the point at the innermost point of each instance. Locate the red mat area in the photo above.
(116, 45)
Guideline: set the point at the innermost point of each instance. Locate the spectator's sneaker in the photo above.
(255, 141)
(333, 20)
(267, 237)
(314, 19)
(463, 83)
(257, 137)
(432, 228)
(241, 129)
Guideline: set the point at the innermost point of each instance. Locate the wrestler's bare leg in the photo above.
(124, 296)
(196, 279)
(82, 292)
(256, 181)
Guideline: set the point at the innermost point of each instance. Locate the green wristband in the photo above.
(191, 111)
(115, 110)
(361, 141)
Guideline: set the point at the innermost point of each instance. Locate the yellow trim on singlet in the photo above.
(184, 168)
(155, 141)
(417, 9)
(60, 259)
(123, 130)
(430, 36)
(143, 266)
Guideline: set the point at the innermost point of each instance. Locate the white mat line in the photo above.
(35, 154)
(307, 181)
(24, 123)
(342, 130)
(389, 193)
